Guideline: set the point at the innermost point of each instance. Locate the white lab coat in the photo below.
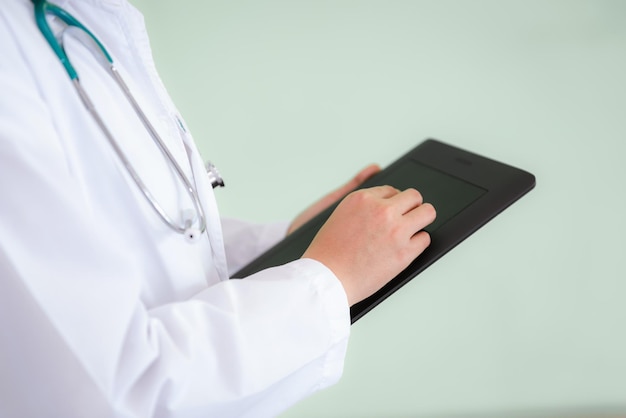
(105, 312)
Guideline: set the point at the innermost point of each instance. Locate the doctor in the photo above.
(114, 262)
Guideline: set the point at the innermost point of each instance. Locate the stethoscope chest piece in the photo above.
(191, 232)
(214, 176)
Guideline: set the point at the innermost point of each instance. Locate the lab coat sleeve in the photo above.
(244, 241)
(257, 372)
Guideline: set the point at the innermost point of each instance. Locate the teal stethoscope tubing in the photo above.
(42, 8)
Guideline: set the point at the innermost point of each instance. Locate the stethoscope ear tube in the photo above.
(166, 153)
(129, 167)
(41, 8)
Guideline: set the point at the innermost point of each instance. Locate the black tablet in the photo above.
(466, 189)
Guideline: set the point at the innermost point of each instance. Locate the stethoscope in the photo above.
(189, 228)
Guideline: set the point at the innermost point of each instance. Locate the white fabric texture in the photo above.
(106, 312)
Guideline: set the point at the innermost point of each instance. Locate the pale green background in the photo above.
(528, 316)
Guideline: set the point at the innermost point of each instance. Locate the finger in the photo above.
(407, 200)
(383, 192)
(420, 217)
(357, 180)
(365, 174)
(420, 241)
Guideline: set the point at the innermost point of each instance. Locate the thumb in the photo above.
(361, 176)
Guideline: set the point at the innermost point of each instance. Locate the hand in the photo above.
(333, 197)
(372, 235)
